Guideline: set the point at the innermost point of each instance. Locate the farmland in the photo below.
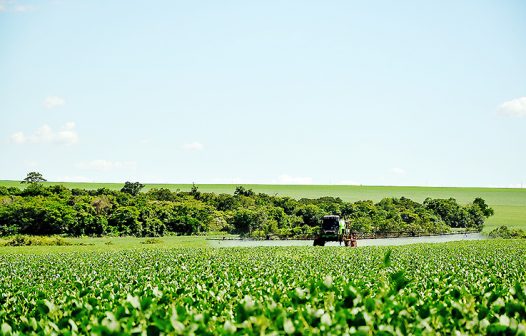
(107, 244)
(509, 204)
(466, 287)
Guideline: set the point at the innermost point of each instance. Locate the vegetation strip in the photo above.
(48, 210)
(509, 203)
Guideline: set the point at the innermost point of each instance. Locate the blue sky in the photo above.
(322, 92)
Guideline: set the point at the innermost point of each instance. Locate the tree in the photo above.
(162, 194)
(240, 190)
(126, 221)
(132, 188)
(484, 208)
(247, 220)
(33, 177)
(311, 214)
(195, 191)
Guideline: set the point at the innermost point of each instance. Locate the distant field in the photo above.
(509, 204)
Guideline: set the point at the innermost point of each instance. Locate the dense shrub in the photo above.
(3, 191)
(21, 240)
(36, 215)
(150, 241)
(471, 216)
(125, 221)
(248, 220)
(132, 188)
(506, 233)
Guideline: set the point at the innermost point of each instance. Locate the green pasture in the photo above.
(509, 204)
(106, 244)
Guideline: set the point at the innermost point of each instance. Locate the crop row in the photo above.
(468, 287)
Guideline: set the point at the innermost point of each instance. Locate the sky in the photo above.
(429, 93)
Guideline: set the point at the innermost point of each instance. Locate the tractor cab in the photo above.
(330, 224)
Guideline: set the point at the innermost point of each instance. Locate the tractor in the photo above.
(334, 228)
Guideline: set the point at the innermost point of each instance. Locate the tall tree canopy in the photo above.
(33, 177)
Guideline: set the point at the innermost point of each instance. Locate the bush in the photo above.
(36, 216)
(259, 234)
(36, 241)
(161, 194)
(284, 232)
(132, 188)
(506, 233)
(471, 216)
(3, 191)
(125, 221)
(152, 241)
(246, 221)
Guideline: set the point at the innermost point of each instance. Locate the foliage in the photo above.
(509, 203)
(247, 220)
(125, 220)
(506, 233)
(195, 191)
(464, 288)
(21, 240)
(162, 194)
(33, 177)
(469, 217)
(36, 215)
(45, 210)
(240, 190)
(132, 188)
(150, 241)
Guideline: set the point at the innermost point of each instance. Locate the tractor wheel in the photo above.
(319, 242)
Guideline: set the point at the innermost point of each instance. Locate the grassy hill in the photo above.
(509, 204)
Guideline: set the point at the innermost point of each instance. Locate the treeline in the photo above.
(47, 210)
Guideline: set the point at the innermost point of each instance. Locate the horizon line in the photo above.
(286, 185)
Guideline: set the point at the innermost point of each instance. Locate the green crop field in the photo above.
(106, 244)
(509, 204)
(452, 288)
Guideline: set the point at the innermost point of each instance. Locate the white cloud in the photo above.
(43, 134)
(193, 146)
(67, 135)
(23, 8)
(107, 165)
(18, 138)
(287, 179)
(15, 6)
(513, 108)
(398, 171)
(53, 102)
